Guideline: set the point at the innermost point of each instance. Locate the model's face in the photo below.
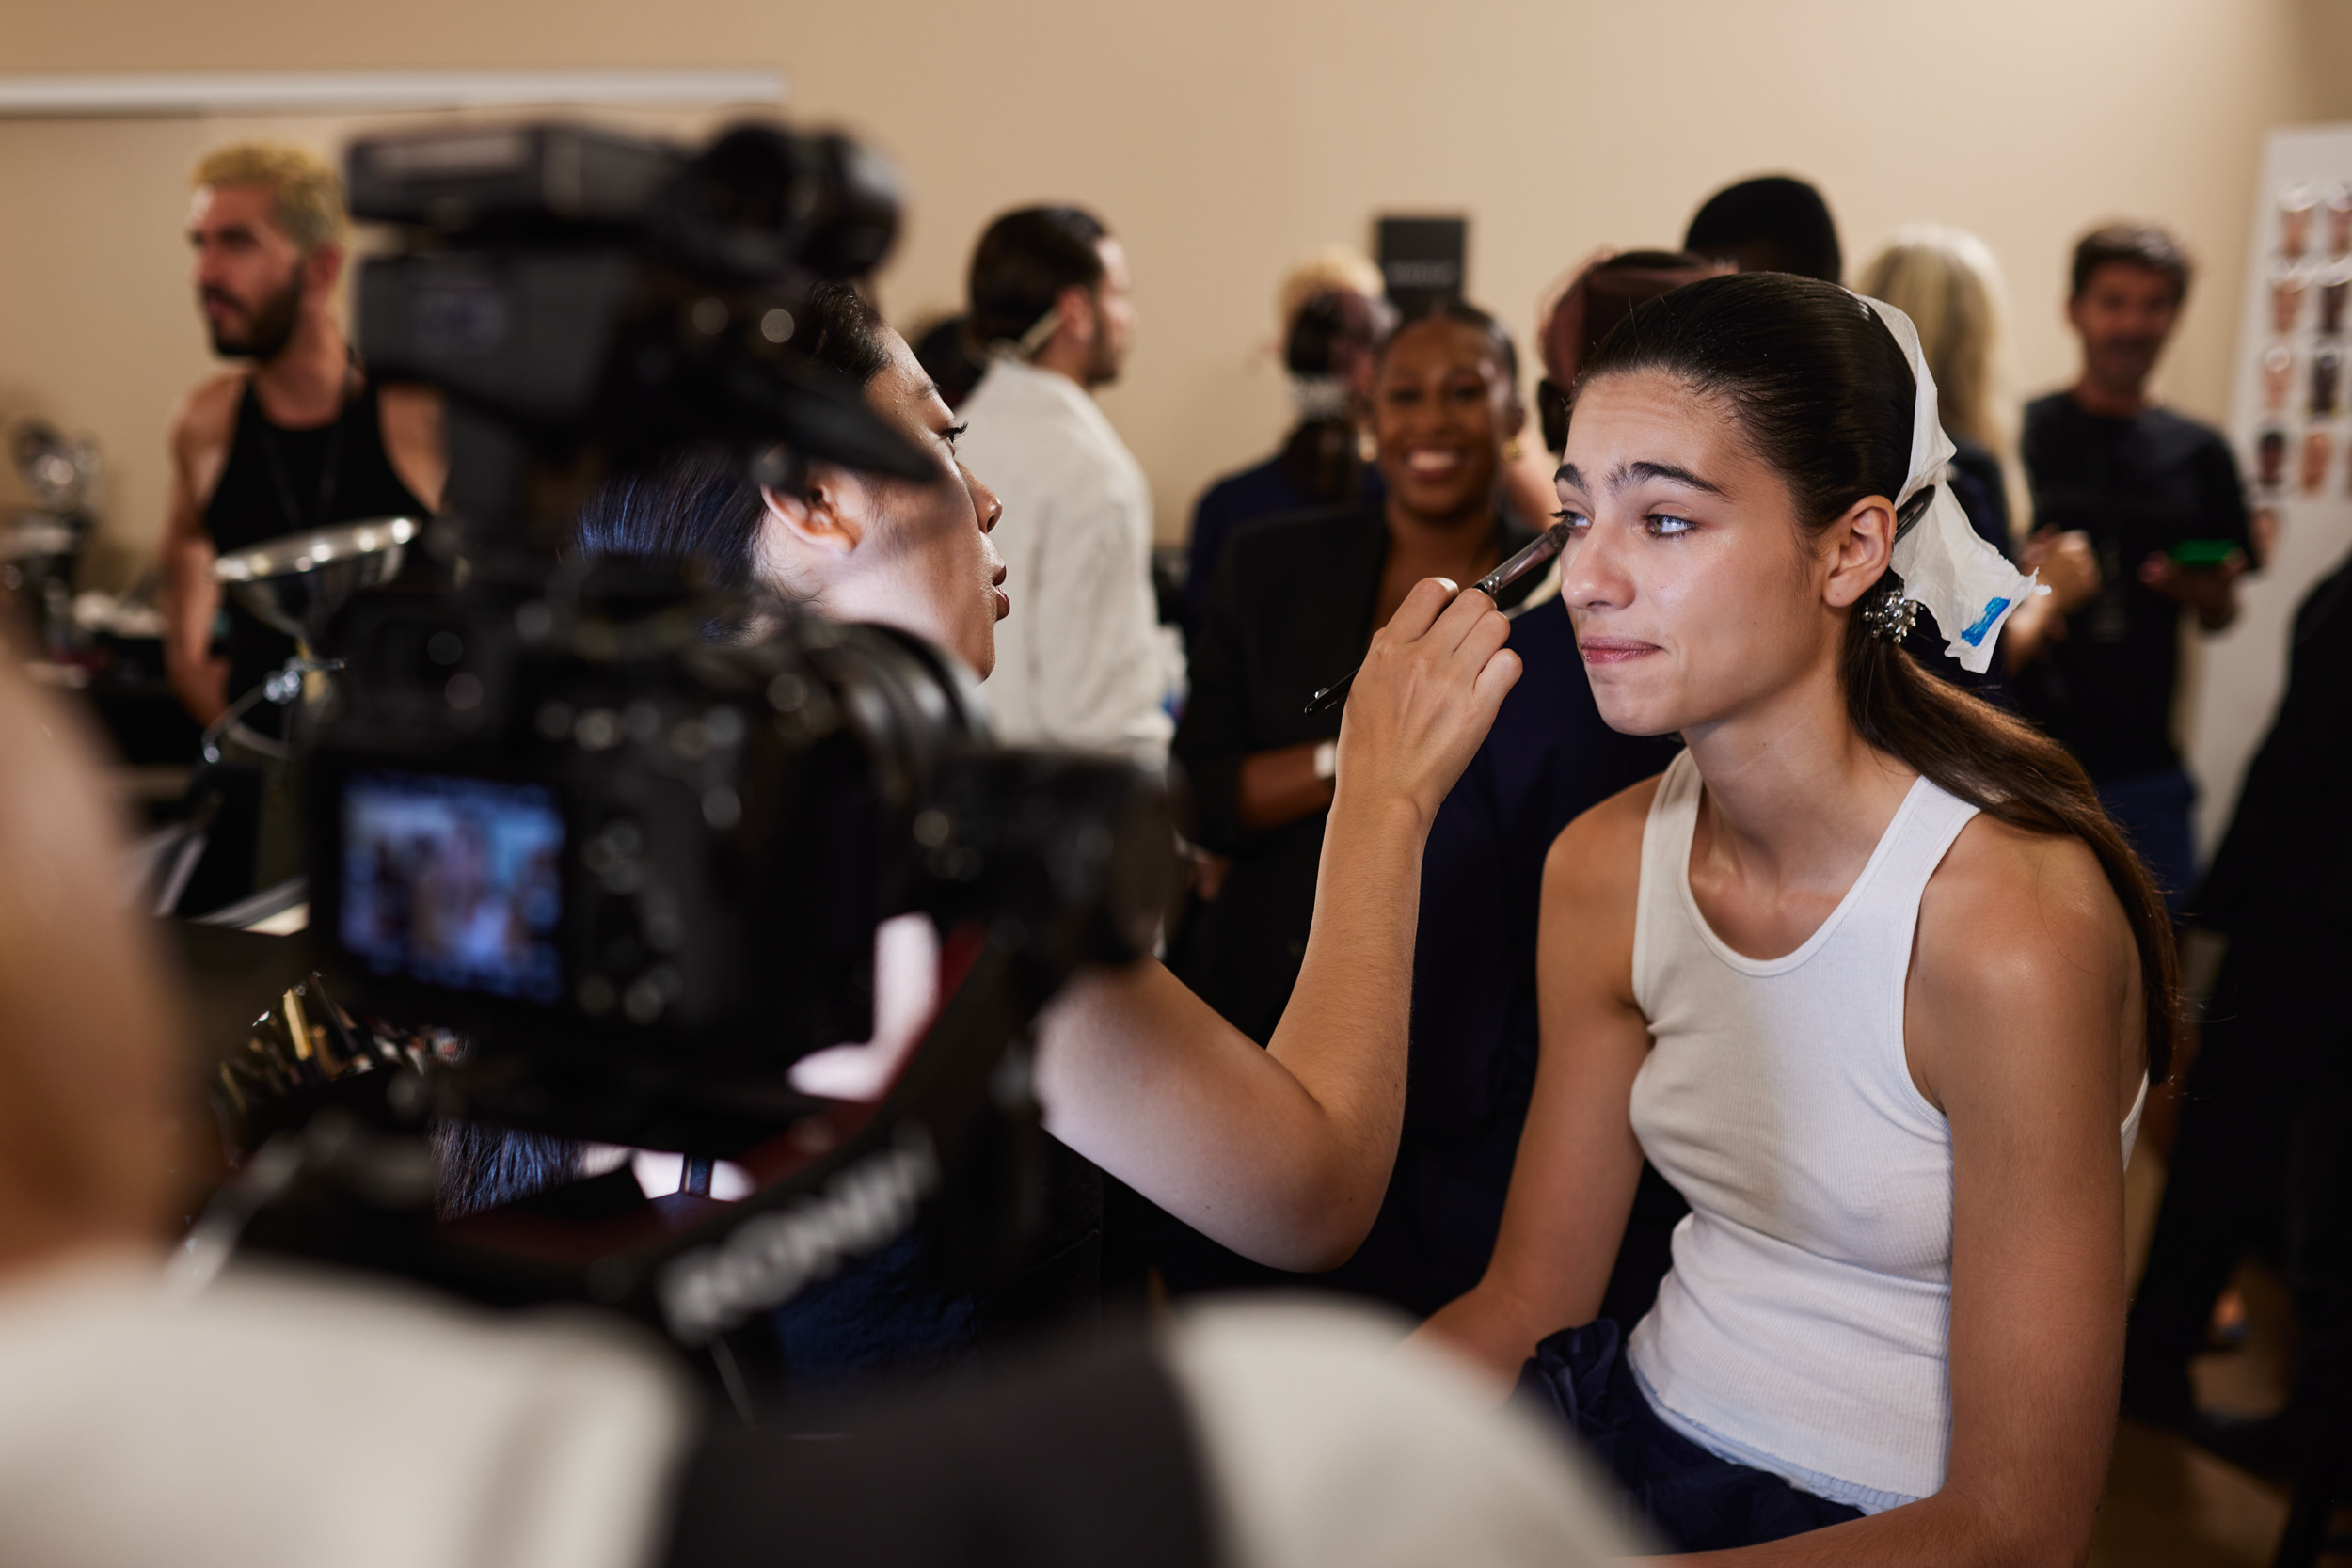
(923, 561)
(1693, 590)
(248, 275)
(2123, 316)
(1441, 409)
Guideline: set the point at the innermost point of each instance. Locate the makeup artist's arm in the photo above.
(1283, 1154)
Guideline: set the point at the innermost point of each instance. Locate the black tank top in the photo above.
(277, 482)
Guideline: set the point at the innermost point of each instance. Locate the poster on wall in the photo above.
(2291, 421)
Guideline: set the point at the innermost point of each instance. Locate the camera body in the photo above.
(589, 302)
(642, 866)
(631, 836)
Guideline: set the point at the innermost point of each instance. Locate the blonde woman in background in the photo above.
(1946, 281)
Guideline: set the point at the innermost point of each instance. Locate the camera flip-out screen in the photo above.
(454, 881)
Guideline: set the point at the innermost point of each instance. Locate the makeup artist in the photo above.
(1292, 608)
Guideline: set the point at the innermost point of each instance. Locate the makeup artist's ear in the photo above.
(818, 519)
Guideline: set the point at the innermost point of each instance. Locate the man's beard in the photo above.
(272, 327)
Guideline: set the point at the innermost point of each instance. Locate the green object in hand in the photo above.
(2204, 552)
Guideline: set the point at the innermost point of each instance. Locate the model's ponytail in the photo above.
(2013, 772)
(1822, 392)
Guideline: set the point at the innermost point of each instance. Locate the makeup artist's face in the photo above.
(1441, 409)
(911, 555)
(1693, 592)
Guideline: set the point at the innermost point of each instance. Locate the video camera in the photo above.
(629, 837)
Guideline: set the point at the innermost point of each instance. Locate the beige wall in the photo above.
(1223, 137)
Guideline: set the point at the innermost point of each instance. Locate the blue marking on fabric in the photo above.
(1975, 634)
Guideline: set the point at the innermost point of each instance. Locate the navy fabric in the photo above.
(2154, 811)
(904, 1312)
(1698, 1502)
(1269, 490)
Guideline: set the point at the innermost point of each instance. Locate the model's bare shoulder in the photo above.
(2010, 899)
(2019, 930)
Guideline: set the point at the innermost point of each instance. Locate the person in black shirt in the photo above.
(302, 438)
(2159, 497)
(298, 437)
(1294, 604)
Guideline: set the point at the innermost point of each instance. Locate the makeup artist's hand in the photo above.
(1424, 699)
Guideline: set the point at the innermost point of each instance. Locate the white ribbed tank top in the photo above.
(1805, 1326)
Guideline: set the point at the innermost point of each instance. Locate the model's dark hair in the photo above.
(1506, 353)
(702, 505)
(1773, 224)
(1024, 262)
(1821, 391)
(2138, 245)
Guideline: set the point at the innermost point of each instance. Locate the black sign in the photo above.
(1421, 261)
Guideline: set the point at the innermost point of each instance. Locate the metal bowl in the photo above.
(294, 582)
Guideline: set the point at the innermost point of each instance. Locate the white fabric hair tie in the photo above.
(1967, 585)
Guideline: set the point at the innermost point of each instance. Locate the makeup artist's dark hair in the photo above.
(1024, 262)
(1506, 353)
(702, 505)
(1821, 391)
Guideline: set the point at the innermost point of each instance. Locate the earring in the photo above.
(1888, 616)
(1511, 449)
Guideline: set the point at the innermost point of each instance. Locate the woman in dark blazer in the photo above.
(1292, 608)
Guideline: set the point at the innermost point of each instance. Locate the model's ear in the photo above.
(1862, 542)
(817, 519)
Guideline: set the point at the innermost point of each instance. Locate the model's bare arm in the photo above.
(1283, 1154)
(201, 430)
(1572, 1184)
(2022, 1022)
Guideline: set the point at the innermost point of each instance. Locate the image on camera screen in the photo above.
(454, 881)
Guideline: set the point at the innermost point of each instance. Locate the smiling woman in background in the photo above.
(1292, 608)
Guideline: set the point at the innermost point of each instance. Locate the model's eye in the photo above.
(1665, 524)
(952, 435)
(1575, 520)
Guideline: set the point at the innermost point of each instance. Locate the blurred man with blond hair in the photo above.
(296, 438)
